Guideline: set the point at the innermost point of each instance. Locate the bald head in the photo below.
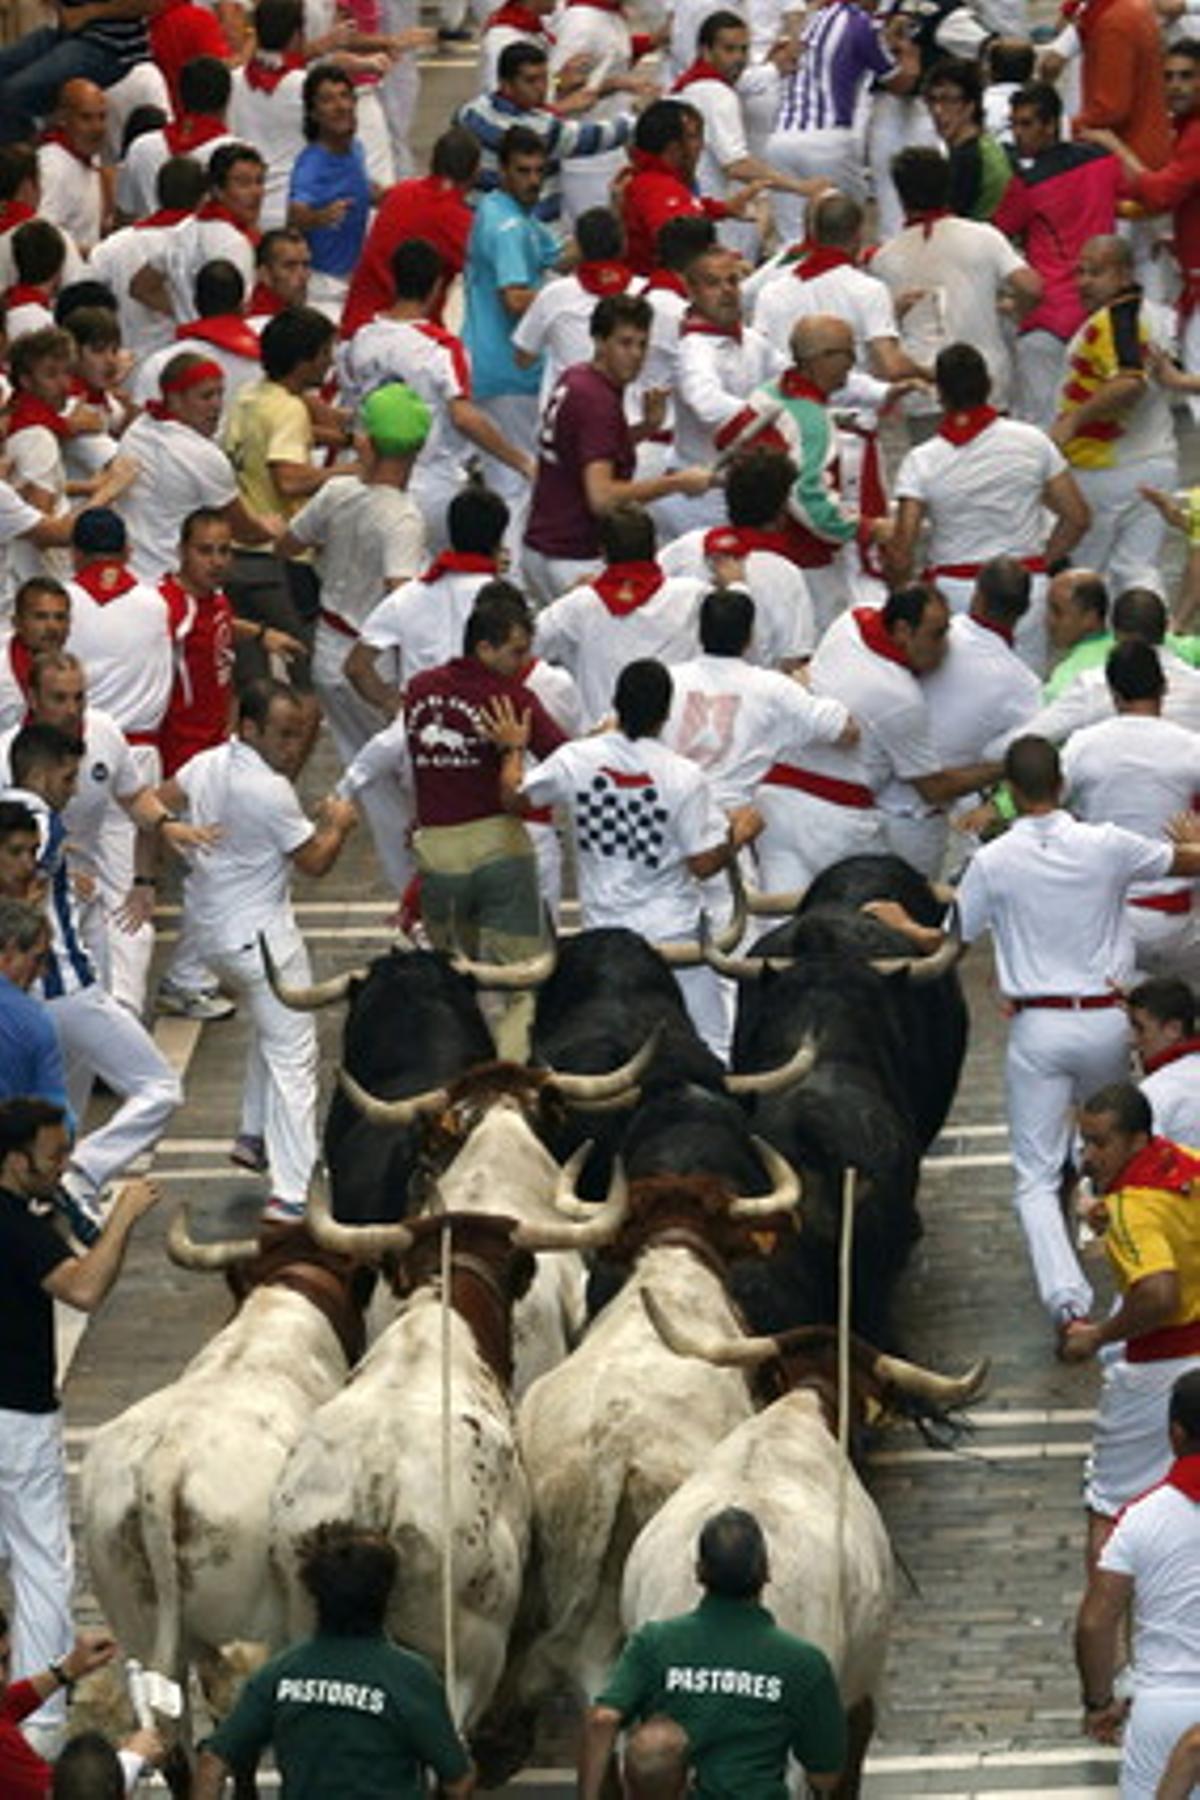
(1104, 270)
(655, 1765)
(823, 349)
(82, 113)
(835, 220)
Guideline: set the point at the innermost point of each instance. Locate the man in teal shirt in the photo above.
(745, 1692)
(348, 1713)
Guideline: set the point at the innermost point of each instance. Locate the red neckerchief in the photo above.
(458, 562)
(27, 410)
(14, 213)
(795, 386)
(665, 281)
(216, 209)
(960, 427)
(265, 77)
(807, 261)
(603, 277)
(1184, 1474)
(24, 293)
(84, 390)
(740, 540)
(694, 324)
(20, 661)
(166, 215)
(190, 130)
(874, 634)
(57, 136)
(927, 217)
(699, 71)
(105, 579)
(1173, 1053)
(645, 162)
(264, 299)
(608, 6)
(1001, 631)
(230, 332)
(624, 587)
(520, 18)
(1161, 1164)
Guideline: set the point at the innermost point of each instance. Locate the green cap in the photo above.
(396, 420)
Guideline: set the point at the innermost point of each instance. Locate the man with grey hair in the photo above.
(656, 1759)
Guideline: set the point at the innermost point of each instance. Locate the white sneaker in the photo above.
(206, 1005)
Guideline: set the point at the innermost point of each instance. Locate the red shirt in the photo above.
(23, 1774)
(584, 422)
(197, 716)
(180, 33)
(456, 769)
(429, 207)
(653, 194)
(1176, 189)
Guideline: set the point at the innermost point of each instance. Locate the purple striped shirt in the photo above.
(840, 50)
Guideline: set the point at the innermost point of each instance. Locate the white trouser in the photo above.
(710, 1001)
(100, 1038)
(836, 154)
(374, 135)
(1130, 1449)
(1157, 1720)
(897, 121)
(1040, 360)
(35, 1538)
(1190, 346)
(352, 724)
(517, 417)
(1029, 639)
(1125, 538)
(587, 181)
(386, 802)
(279, 1095)
(547, 577)
(128, 953)
(919, 839)
(1168, 943)
(804, 835)
(400, 88)
(1055, 1060)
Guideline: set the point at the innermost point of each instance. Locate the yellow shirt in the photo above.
(266, 425)
(1151, 1232)
(1111, 342)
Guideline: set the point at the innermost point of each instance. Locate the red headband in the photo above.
(204, 370)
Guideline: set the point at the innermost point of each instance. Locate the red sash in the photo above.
(822, 787)
(624, 587)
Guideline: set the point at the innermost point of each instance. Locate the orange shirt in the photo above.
(1123, 88)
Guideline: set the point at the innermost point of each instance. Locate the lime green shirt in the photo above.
(1092, 651)
(745, 1692)
(350, 1718)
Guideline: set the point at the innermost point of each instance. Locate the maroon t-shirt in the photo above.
(584, 422)
(456, 769)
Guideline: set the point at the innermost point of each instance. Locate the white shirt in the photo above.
(274, 124)
(1174, 1094)
(1133, 769)
(862, 300)
(125, 647)
(724, 134)
(420, 624)
(428, 359)
(1157, 1544)
(981, 690)
(715, 376)
(192, 243)
(734, 721)
(1088, 699)
(29, 315)
(638, 811)
(179, 471)
(146, 382)
(368, 537)
(145, 157)
(242, 885)
(982, 498)
(35, 458)
(116, 260)
(603, 37)
(784, 628)
(556, 326)
(578, 631)
(1052, 891)
(107, 774)
(961, 265)
(17, 516)
(72, 195)
(68, 967)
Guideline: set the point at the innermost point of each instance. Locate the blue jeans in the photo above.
(34, 69)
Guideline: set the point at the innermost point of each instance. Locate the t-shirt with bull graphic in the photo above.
(455, 765)
(746, 1692)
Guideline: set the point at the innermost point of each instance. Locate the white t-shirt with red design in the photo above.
(428, 359)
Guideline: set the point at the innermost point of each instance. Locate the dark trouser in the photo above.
(34, 69)
(280, 595)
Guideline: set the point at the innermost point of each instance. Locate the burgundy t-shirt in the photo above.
(456, 769)
(584, 422)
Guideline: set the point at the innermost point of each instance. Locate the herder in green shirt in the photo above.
(745, 1692)
(350, 1715)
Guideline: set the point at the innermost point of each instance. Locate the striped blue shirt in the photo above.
(68, 966)
(840, 50)
(490, 116)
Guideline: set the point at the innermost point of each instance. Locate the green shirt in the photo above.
(350, 1718)
(744, 1691)
(1092, 651)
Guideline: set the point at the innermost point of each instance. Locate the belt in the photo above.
(335, 623)
(139, 738)
(1065, 1002)
(1161, 1345)
(1179, 900)
(967, 571)
(824, 787)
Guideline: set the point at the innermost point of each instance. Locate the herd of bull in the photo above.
(638, 1251)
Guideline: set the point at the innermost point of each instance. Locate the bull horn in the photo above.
(615, 1103)
(922, 968)
(774, 1081)
(773, 906)
(566, 1200)
(943, 892)
(313, 997)
(534, 971)
(593, 1233)
(689, 955)
(784, 1196)
(941, 1391)
(404, 1111)
(362, 1243)
(612, 1085)
(739, 968)
(705, 1346)
(186, 1253)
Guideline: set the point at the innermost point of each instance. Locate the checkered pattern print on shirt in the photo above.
(621, 815)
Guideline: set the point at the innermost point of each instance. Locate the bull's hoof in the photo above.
(501, 1747)
(177, 1772)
